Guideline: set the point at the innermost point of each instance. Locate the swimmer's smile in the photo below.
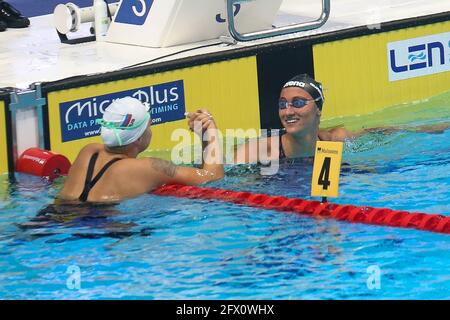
(292, 120)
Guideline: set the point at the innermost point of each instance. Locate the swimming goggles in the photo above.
(115, 127)
(296, 103)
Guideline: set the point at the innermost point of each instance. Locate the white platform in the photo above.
(36, 54)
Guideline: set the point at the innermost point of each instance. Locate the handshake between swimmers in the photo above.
(110, 171)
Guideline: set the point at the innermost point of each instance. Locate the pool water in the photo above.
(156, 247)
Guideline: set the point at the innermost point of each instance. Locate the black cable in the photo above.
(172, 54)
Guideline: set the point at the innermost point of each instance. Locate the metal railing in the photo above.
(305, 26)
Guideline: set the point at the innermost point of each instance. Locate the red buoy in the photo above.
(43, 163)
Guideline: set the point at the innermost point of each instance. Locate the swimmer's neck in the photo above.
(128, 151)
(301, 144)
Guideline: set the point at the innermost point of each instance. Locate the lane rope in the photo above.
(354, 214)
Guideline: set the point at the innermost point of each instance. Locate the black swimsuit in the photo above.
(89, 182)
(84, 212)
(282, 154)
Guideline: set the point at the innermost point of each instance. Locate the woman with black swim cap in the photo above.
(299, 108)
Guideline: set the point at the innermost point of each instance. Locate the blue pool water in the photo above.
(156, 247)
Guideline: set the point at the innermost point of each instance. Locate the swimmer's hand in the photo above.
(200, 121)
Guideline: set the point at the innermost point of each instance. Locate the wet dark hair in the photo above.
(307, 83)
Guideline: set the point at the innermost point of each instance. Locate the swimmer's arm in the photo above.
(202, 123)
(341, 134)
(165, 172)
(434, 128)
(212, 160)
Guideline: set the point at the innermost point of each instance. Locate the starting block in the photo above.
(164, 23)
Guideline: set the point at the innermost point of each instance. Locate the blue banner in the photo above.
(166, 100)
(133, 11)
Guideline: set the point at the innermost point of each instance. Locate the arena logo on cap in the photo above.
(419, 56)
(78, 118)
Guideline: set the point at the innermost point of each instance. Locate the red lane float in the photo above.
(355, 214)
(43, 163)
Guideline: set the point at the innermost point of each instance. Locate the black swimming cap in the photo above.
(310, 85)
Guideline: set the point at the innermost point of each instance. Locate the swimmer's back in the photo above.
(125, 178)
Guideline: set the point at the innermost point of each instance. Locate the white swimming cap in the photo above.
(124, 121)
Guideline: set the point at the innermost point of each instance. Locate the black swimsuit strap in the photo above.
(90, 172)
(281, 152)
(89, 184)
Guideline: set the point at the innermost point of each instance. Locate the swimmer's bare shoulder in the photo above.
(336, 134)
(157, 172)
(147, 166)
(83, 157)
(143, 174)
(162, 167)
(90, 149)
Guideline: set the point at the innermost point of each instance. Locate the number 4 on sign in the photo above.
(324, 176)
(327, 167)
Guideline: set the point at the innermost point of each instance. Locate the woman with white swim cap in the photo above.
(111, 172)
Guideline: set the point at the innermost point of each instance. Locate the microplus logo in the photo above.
(78, 118)
(419, 56)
